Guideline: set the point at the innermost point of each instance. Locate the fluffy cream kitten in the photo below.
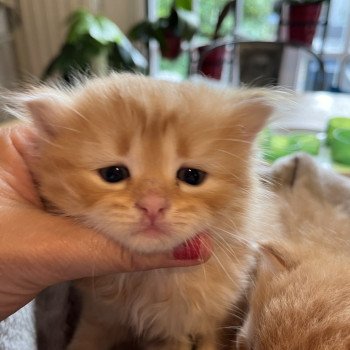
(301, 297)
(154, 165)
(299, 303)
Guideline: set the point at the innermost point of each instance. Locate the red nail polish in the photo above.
(191, 250)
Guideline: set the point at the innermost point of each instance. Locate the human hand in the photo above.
(38, 249)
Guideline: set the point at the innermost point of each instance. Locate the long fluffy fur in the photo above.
(155, 127)
(301, 294)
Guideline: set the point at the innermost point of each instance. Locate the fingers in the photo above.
(38, 250)
(15, 176)
(95, 254)
(180, 256)
(55, 249)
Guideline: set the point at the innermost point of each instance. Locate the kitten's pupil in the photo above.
(191, 176)
(114, 173)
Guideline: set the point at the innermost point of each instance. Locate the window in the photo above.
(256, 20)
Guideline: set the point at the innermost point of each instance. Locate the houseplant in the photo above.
(170, 31)
(302, 18)
(94, 44)
(211, 59)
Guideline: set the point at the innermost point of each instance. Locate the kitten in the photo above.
(301, 297)
(154, 165)
(299, 304)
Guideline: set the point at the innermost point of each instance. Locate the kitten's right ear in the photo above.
(254, 107)
(47, 110)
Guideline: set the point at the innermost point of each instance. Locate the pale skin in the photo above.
(38, 249)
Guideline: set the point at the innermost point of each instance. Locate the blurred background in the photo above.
(302, 44)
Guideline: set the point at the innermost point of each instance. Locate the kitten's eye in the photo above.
(114, 173)
(191, 176)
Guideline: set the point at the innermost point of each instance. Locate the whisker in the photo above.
(234, 155)
(236, 140)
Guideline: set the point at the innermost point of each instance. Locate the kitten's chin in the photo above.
(152, 231)
(154, 240)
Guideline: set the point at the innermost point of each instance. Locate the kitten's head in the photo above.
(298, 303)
(150, 163)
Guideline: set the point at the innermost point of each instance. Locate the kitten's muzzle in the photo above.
(153, 207)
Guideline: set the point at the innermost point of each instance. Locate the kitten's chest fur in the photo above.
(171, 303)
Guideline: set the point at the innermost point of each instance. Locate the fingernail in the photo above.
(191, 250)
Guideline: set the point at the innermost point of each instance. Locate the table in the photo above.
(311, 110)
(306, 111)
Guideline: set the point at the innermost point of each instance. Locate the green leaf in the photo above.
(142, 31)
(188, 24)
(183, 4)
(122, 58)
(135, 55)
(105, 31)
(89, 36)
(146, 30)
(70, 58)
(79, 24)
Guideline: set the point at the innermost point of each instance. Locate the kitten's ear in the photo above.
(252, 111)
(47, 110)
(275, 259)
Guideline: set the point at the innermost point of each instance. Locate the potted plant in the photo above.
(180, 25)
(211, 56)
(302, 19)
(94, 44)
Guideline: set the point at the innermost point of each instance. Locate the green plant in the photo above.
(94, 43)
(256, 24)
(180, 25)
(229, 7)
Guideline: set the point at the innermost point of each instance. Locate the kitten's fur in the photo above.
(301, 298)
(154, 128)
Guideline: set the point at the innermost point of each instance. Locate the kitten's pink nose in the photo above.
(152, 205)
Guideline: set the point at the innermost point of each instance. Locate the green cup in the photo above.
(277, 145)
(340, 146)
(308, 143)
(336, 123)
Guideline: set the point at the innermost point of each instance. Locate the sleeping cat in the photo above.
(154, 165)
(301, 296)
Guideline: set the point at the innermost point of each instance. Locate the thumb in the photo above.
(63, 250)
(96, 254)
(194, 252)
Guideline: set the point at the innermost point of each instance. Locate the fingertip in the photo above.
(198, 248)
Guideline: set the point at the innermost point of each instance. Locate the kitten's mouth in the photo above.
(153, 231)
(160, 237)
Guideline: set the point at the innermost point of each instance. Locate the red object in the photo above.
(211, 61)
(193, 249)
(172, 47)
(303, 20)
